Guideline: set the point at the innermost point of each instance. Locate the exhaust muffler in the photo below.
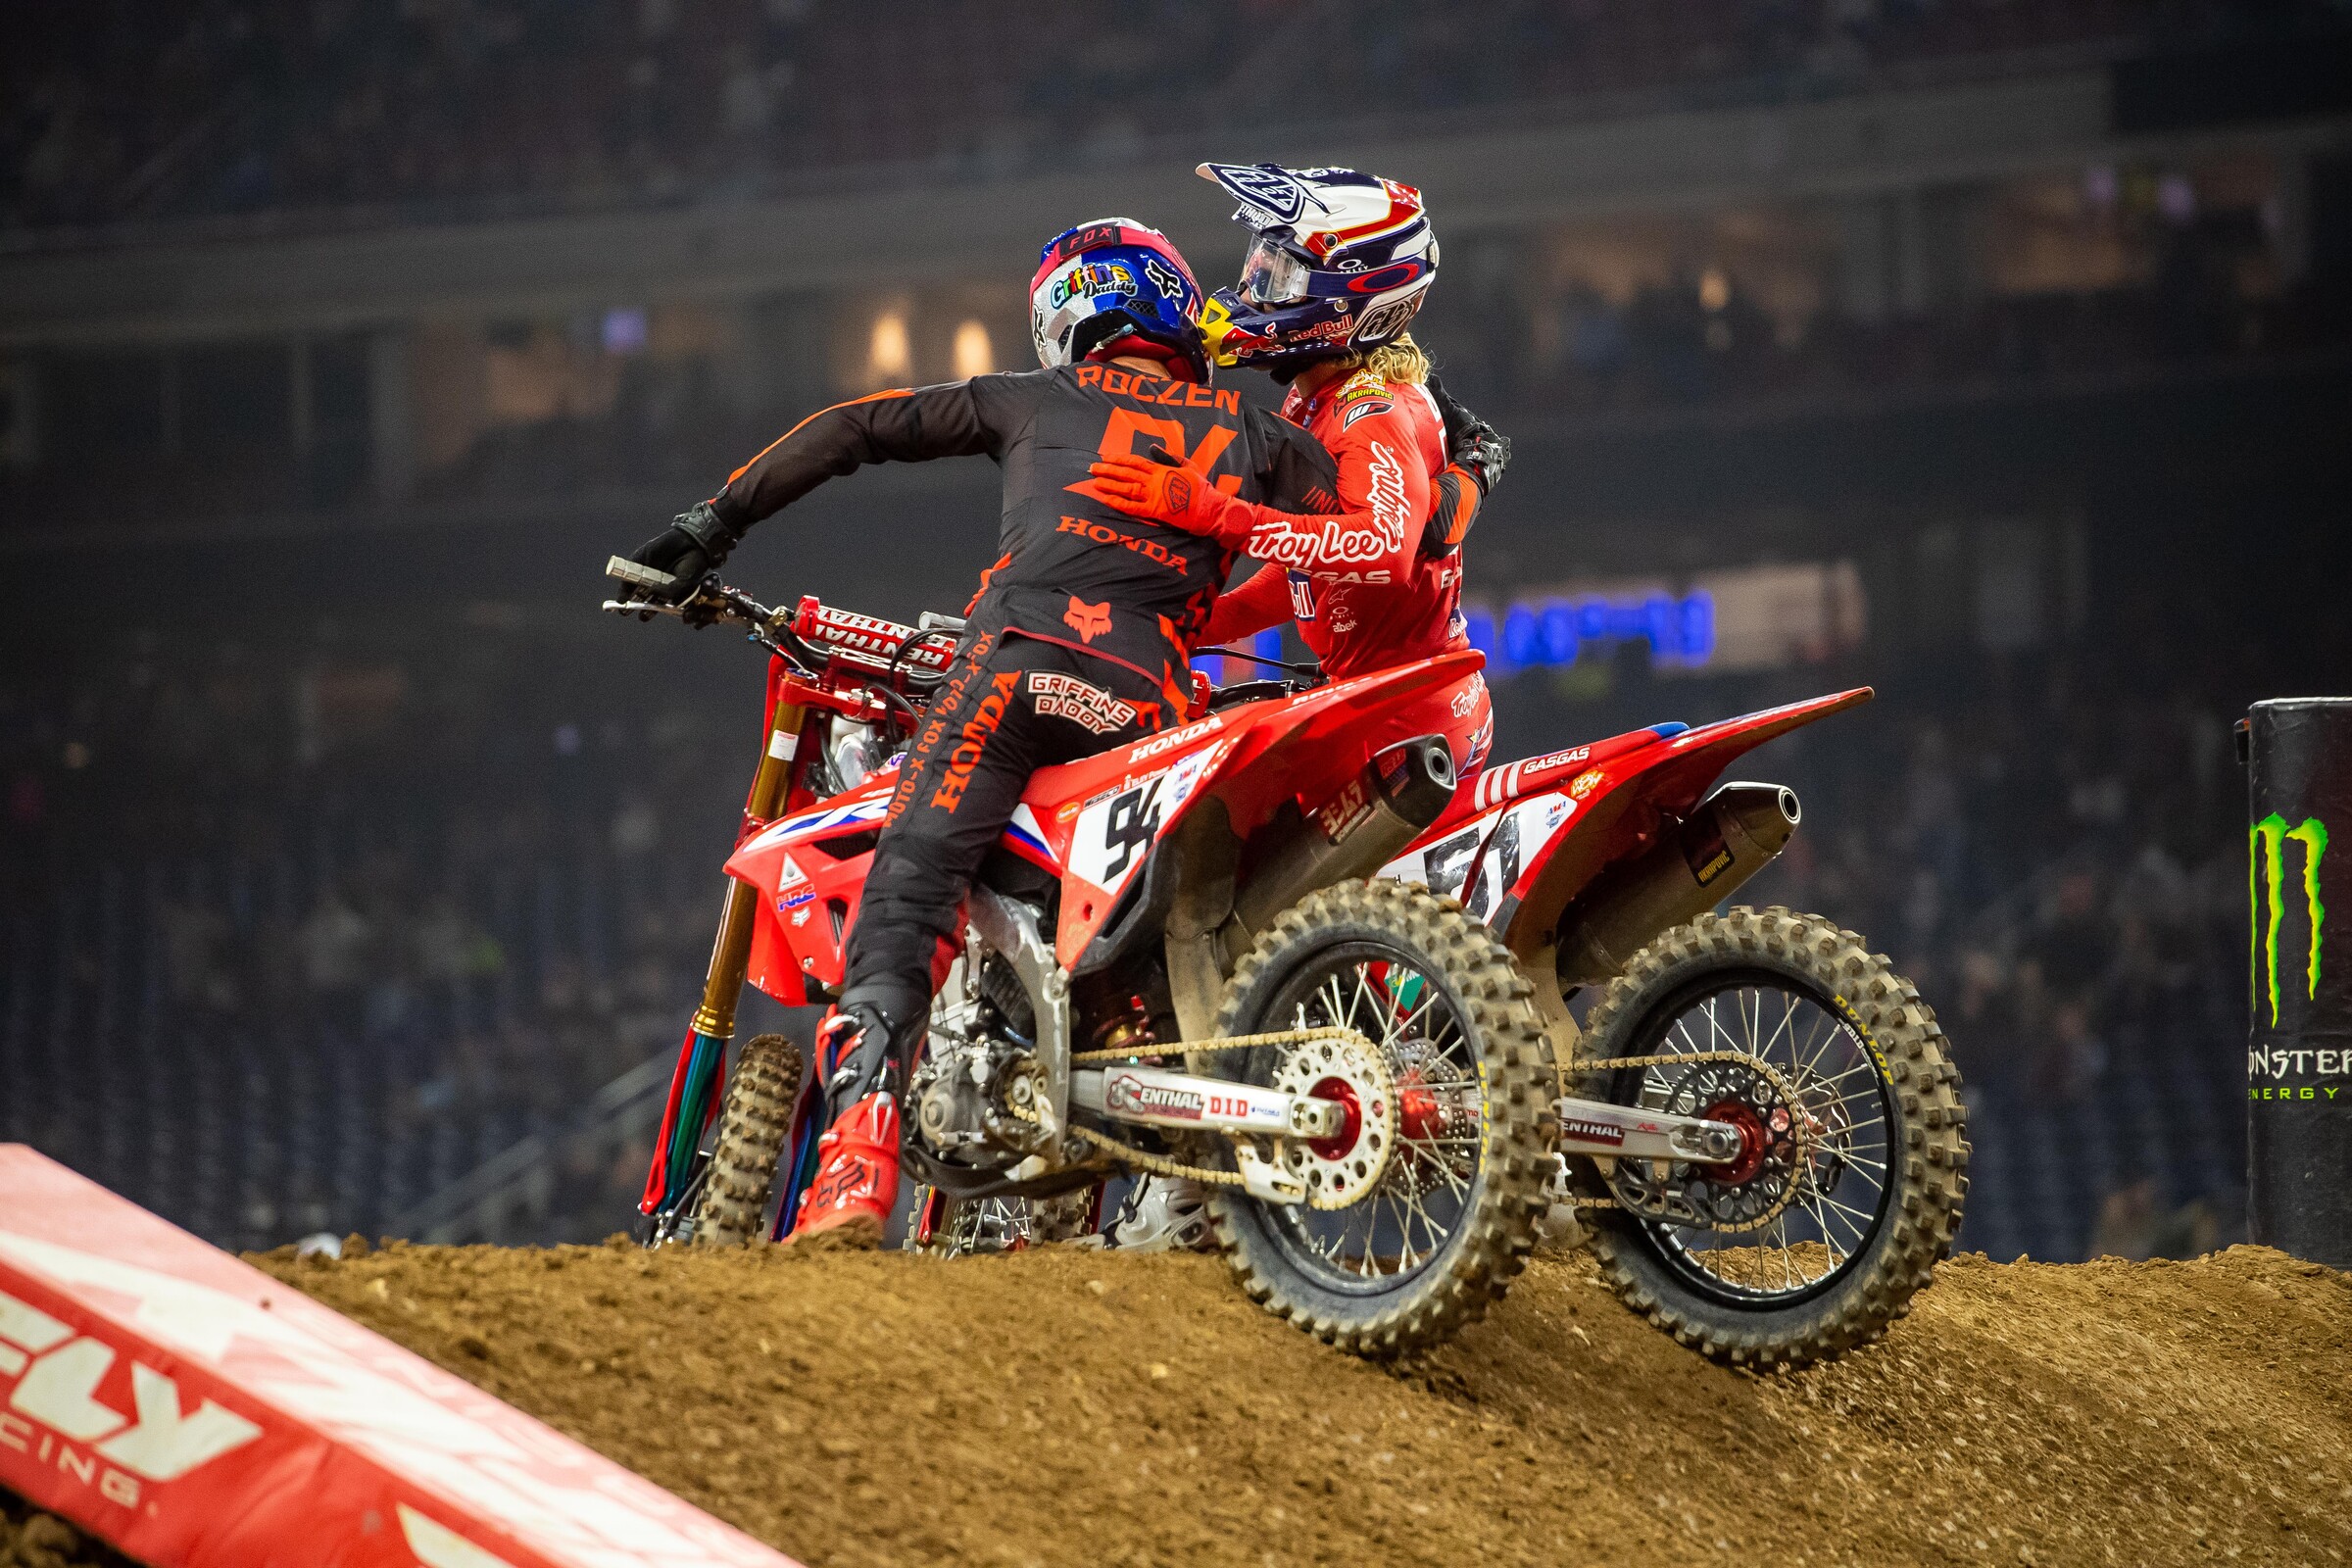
(1734, 833)
(1357, 831)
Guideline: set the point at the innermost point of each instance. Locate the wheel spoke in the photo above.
(1815, 1234)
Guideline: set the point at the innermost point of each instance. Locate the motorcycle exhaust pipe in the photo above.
(1733, 835)
(1357, 831)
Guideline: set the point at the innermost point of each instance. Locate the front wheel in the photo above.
(1451, 1219)
(1841, 1202)
(752, 1129)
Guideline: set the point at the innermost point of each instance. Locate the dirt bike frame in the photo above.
(1578, 857)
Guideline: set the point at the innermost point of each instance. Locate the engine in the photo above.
(978, 1064)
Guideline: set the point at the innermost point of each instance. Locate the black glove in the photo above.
(1472, 445)
(689, 550)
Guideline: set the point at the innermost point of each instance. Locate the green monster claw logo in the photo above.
(2266, 861)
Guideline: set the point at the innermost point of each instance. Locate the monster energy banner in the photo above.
(2299, 1050)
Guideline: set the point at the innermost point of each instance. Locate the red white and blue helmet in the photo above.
(1341, 262)
(1111, 280)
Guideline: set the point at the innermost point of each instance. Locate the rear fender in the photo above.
(1528, 838)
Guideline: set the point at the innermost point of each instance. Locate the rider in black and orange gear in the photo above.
(1078, 639)
(1339, 262)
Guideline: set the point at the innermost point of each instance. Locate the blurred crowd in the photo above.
(296, 940)
(1698, 339)
(370, 911)
(2051, 845)
(2059, 865)
(131, 110)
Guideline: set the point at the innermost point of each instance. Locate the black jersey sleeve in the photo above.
(954, 419)
(1295, 472)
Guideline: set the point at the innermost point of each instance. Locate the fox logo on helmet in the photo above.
(1166, 278)
(1085, 237)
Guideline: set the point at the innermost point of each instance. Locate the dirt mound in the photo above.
(31, 1539)
(1063, 1406)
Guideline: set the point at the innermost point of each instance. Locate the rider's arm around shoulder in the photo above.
(1476, 455)
(973, 418)
(1372, 532)
(1367, 532)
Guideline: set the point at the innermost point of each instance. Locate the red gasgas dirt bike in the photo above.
(1229, 953)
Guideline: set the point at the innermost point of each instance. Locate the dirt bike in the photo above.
(1232, 952)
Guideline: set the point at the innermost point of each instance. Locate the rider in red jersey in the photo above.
(1353, 622)
(1340, 265)
(1341, 262)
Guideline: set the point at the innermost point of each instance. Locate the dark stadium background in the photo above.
(355, 868)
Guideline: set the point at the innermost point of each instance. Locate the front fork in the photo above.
(701, 1070)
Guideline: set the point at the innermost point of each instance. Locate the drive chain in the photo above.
(1781, 1086)
(1160, 1164)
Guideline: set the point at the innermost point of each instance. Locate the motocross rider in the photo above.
(1077, 640)
(1339, 262)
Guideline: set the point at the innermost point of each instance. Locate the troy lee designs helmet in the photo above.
(1109, 279)
(1341, 262)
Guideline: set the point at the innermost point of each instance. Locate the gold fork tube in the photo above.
(731, 953)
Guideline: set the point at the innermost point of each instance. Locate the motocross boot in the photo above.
(1164, 1214)
(857, 1181)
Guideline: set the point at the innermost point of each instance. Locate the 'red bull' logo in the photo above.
(1088, 622)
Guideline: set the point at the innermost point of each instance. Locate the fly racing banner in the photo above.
(2299, 1048)
(196, 1413)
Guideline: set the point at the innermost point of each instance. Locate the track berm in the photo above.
(1063, 1406)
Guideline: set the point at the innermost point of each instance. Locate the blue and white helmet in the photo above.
(1115, 279)
(1342, 261)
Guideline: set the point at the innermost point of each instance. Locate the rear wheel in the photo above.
(1451, 1218)
(1841, 1203)
(752, 1129)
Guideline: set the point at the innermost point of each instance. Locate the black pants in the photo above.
(1013, 705)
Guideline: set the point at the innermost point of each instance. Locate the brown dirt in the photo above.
(31, 1538)
(1063, 1406)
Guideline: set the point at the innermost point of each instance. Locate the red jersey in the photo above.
(1363, 595)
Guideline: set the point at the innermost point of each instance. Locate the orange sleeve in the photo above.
(1245, 611)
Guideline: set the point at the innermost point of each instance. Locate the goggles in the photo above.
(1272, 275)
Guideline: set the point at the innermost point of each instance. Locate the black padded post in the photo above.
(2299, 1049)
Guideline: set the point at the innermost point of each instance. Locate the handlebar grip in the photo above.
(622, 570)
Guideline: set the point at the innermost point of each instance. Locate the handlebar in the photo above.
(839, 646)
(846, 649)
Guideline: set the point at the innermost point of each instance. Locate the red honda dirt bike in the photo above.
(1227, 952)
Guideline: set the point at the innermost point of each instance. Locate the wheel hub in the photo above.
(1732, 1195)
(1753, 1144)
(1343, 1169)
